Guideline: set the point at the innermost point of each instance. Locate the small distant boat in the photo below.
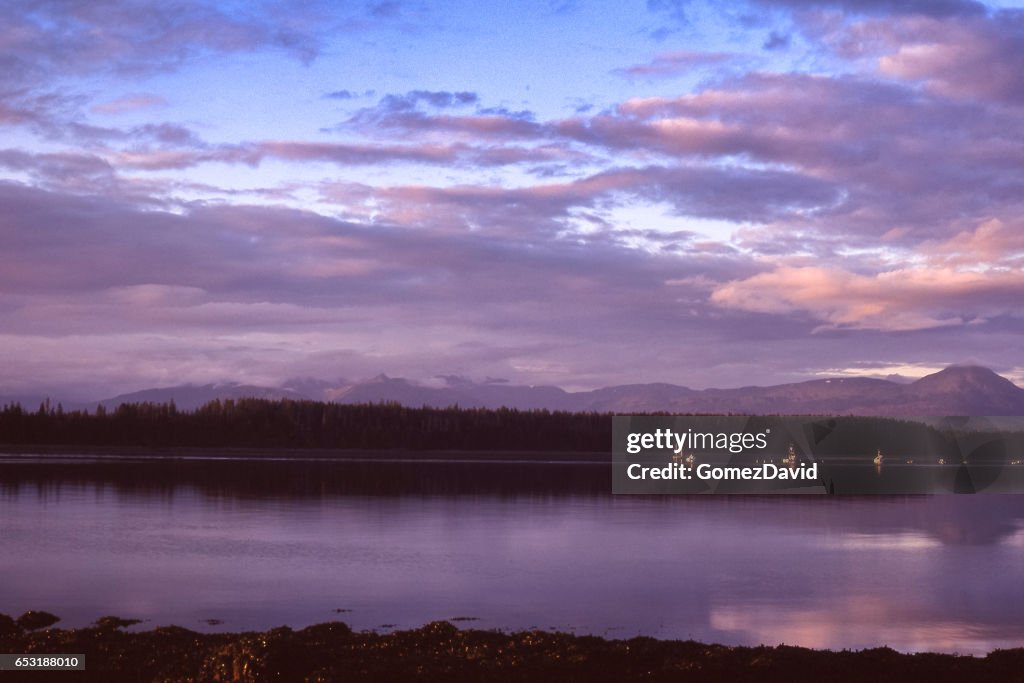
(689, 460)
(878, 457)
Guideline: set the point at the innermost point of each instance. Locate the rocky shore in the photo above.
(440, 651)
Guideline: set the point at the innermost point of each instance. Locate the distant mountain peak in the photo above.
(965, 375)
(956, 390)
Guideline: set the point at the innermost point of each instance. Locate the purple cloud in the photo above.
(935, 8)
(132, 36)
(129, 103)
(670, 64)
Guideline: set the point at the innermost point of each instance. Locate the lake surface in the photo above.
(257, 544)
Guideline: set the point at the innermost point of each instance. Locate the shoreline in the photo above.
(332, 651)
(342, 454)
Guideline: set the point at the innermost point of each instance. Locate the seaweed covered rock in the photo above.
(8, 627)
(33, 620)
(276, 655)
(440, 651)
(115, 622)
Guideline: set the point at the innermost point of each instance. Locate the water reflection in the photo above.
(863, 622)
(261, 544)
(307, 478)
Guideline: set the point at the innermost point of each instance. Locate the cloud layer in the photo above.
(722, 220)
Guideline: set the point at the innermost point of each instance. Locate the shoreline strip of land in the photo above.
(441, 651)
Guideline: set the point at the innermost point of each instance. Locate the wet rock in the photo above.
(439, 630)
(33, 620)
(333, 630)
(276, 655)
(116, 622)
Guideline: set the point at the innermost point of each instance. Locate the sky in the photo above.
(548, 192)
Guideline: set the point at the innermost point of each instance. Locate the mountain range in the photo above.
(957, 390)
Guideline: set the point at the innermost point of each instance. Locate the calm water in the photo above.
(288, 544)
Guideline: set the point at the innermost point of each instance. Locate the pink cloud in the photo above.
(993, 243)
(895, 300)
(976, 60)
(675, 63)
(129, 103)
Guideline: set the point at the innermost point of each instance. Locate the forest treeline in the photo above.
(263, 423)
(303, 424)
